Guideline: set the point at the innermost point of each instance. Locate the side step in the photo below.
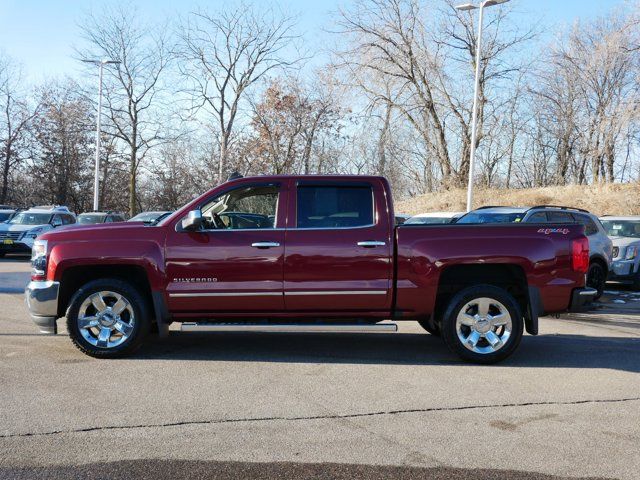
(289, 328)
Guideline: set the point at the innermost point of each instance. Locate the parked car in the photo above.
(95, 218)
(7, 214)
(600, 245)
(434, 218)
(624, 232)
(150, 218)
(401, 218)
(331, 255)
(18, 234)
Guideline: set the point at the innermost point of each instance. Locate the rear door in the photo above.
(338, 255)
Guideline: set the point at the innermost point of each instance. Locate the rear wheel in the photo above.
(107, 318)
(596, 278)
(483, 324)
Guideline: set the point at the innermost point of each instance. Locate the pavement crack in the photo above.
(315, 417)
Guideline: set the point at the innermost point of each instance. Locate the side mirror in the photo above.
(193, 221)
(56, 222)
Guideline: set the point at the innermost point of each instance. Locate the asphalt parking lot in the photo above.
(566, 405)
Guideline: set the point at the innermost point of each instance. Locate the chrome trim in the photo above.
(41, 298)
(302, 328)
(371, 243)
(333, 228)
(588, 292)
(265, 244)
(337, 292)
(226, 294)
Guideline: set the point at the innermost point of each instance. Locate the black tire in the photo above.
(135, 300)
(431, 326)
(596, 278)
(468, 295)
(636, 282)
(2, 254)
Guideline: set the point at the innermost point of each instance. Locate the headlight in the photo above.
(33, 233)
(39, 258)
(631, 253)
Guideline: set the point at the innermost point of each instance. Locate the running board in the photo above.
(294, 328)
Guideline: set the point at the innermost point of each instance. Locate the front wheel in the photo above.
(483, 324)
(596, 278)
(107, 318)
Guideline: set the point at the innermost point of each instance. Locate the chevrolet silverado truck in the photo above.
(309, 254)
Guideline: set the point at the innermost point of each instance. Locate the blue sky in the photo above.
(41, 33)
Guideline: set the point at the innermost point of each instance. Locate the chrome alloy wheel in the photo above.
(106, 319)
(484, 325)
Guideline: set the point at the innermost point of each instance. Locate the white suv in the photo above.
(17, 235)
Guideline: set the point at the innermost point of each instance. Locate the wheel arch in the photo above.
(510, 277)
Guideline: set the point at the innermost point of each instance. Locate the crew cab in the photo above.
(305, 253)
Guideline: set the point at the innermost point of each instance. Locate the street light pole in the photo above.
(476, 92)
(96, 178)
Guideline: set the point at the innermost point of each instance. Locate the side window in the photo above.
(109, 219)
(243, 208)
(68, 219)
(590, 227)
(334, 206)
(560, 217)
(539, 217)
(56, 221)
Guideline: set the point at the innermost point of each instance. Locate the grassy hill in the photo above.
(602, 199)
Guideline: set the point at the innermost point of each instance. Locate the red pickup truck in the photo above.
(305, 253)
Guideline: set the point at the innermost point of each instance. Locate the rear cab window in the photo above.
(334, 206)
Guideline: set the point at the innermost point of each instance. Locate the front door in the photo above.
(338, 252)
(235, 262)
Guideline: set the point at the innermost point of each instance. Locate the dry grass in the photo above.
(602, 199)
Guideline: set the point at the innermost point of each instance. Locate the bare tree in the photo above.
(133, 89)
(15, 117)
(224, 54)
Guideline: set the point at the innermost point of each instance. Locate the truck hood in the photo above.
(103, 231)
(623, 242)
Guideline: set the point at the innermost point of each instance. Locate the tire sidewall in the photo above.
(463, 297)
(140, 328)
(600, 287)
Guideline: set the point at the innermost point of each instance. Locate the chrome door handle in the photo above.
(371, 244)
(265, 244)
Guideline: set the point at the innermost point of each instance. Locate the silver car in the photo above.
(625, 234)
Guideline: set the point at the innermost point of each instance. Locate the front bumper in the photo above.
(15, 247)
(41, 298)
(622, 271)
(581, 297)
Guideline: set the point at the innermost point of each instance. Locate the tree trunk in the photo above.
(5, 173)
(133, 177)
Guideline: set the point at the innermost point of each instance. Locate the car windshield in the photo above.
(491, 217)
(27, 218)
(4, 216)
(622, 228)
(428, 221)
(90, 219)
(148, 217)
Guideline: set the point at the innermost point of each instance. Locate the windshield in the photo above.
(148, 217)
(622, 228)
(487, 217)
(27, 218)
(428, 221)
(4, 216)
(90, 219)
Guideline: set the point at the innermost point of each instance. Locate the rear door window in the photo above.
(560, 217)
(334, 206)
(538, 217)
